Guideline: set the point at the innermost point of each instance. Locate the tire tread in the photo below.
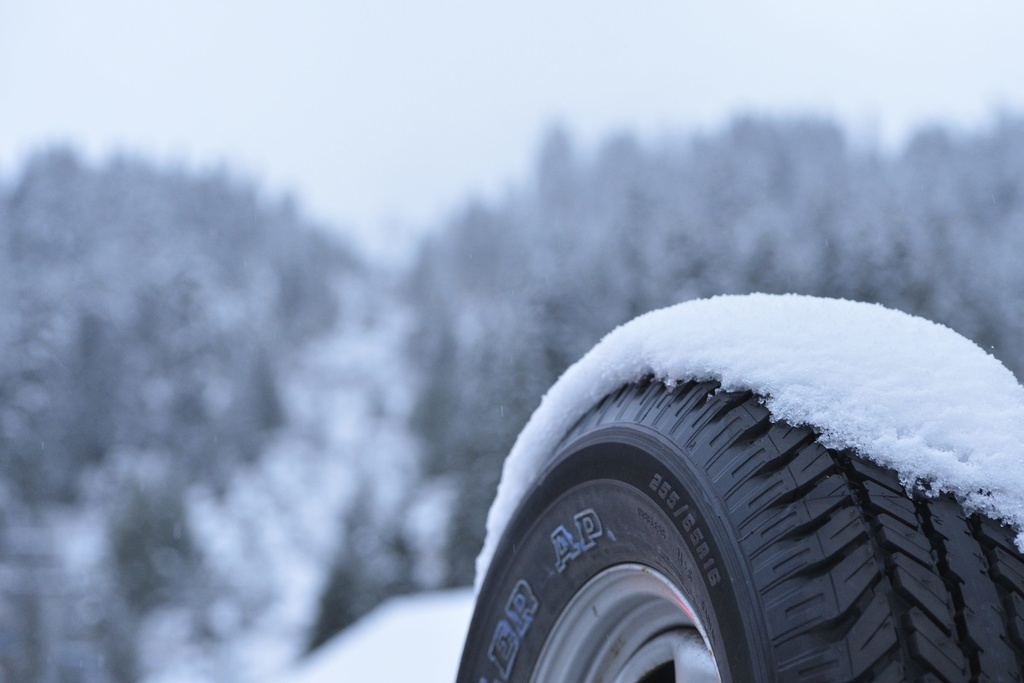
(846, 561)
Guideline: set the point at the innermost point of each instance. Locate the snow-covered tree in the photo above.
(510, 294)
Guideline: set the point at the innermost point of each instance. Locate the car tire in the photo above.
(680, 533)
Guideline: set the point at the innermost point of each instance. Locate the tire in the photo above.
(681, 534)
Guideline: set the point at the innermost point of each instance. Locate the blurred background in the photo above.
(281, 282)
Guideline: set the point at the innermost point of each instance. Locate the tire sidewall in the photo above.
(613, 496)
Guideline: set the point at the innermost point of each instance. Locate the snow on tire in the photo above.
(679, 533)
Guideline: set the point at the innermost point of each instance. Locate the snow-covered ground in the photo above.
(411, 638)
(906, 392)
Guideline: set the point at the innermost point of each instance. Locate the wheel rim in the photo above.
(628, 624)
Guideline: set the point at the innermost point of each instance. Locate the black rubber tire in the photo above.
(818, 565)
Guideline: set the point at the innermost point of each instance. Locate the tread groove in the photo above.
(922, 627)
(965, 640)
(992, 539)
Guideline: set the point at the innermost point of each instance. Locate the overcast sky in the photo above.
(385, 113)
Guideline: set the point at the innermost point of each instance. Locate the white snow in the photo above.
(900, 390)
(412, 638)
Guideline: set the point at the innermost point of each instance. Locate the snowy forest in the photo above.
(226, 433)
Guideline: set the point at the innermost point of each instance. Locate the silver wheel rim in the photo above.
(628, 624)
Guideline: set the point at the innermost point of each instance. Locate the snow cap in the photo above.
(898, 389)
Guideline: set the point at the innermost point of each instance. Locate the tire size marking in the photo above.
(568, 547)
(520, 607)
(664, 490)
(691, 529)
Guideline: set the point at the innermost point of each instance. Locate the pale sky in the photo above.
(383, 116)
